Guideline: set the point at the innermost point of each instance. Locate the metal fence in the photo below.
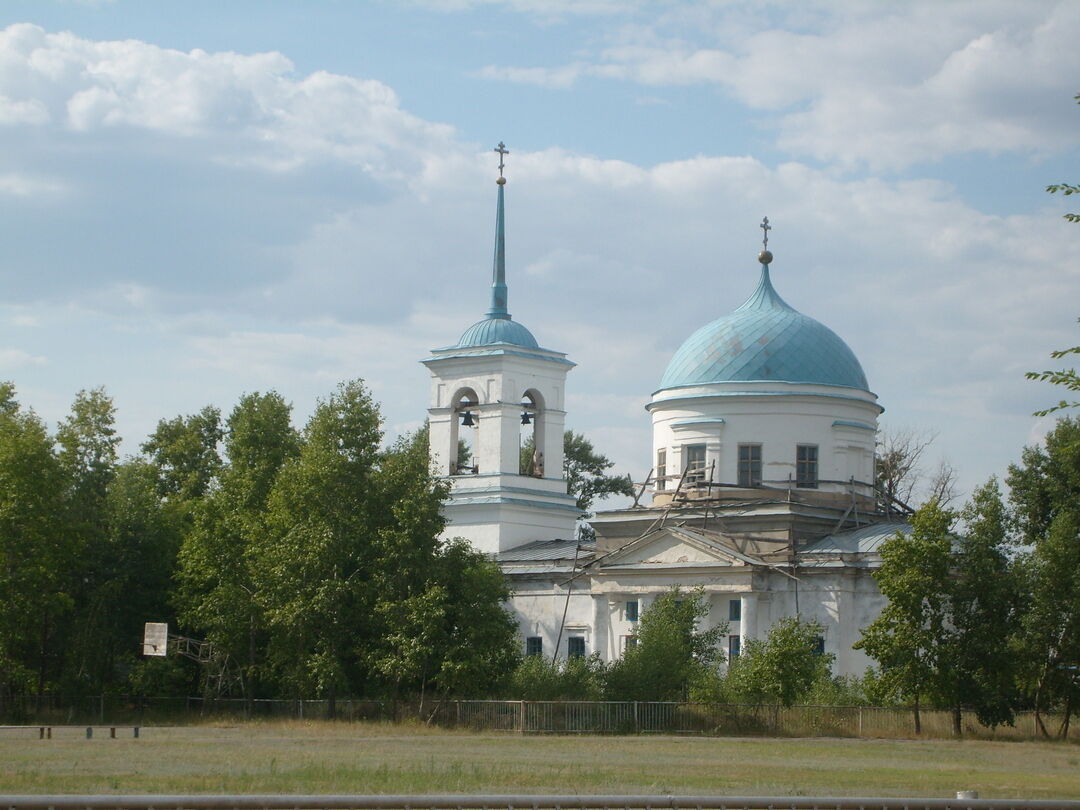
(531, 717)
(520, 802)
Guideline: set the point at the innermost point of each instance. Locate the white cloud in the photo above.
(18, 184)
(908, 84)
(241, 109)
(14, 359)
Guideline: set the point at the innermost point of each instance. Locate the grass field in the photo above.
(369, 758)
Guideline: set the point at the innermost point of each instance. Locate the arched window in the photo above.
(464, 435)
(531, 438)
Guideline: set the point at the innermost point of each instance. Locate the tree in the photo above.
(217, 593)
(35, 553)
(88, 456)
(538, 677)
(669, 652)
(1045, 496)
(898, 471)
(143, 541)
(783, 668)
(585, 471)
(913, 577)
(974, 665)
(440, 619)
(478, 640)
(311, 566)
(184, 450)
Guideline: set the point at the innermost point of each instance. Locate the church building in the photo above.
(760, 492)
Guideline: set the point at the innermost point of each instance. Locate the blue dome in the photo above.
(497, 330)
(764, 339)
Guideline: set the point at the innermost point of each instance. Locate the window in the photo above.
(806, 466)
(628, 642)
(732, 647)
(575, 646)
(819, 645)
(534, 645)
(632, 610)
(734, 610)
(694, 455)
(749, 465)
(661, 468)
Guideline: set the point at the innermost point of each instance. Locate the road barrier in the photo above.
(520, 802)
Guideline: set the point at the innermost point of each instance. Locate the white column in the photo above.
(554, 427)
(499, 435)
(601, 626)
(442, 439)
(748, 622)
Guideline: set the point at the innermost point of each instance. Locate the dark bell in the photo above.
(526, 418)
(467, 419)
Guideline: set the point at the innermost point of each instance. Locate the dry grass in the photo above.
(320, 757)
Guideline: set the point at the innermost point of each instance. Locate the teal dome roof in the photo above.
(764, 340)
(497, 330)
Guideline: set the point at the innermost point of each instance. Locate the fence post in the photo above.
(521, 718)
(637, 722)
(457, 714)
(860, 721)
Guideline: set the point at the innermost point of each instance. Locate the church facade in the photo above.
(761, 489)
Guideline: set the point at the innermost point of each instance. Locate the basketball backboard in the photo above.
(155, 638)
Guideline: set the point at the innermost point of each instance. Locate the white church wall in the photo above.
(777, 416)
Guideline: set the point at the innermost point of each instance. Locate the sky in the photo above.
(202, 199)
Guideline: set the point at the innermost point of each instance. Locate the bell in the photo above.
(467, 419)
(526, 418)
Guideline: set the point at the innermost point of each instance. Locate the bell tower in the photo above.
(493, 393)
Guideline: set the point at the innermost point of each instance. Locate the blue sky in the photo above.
(200, 199)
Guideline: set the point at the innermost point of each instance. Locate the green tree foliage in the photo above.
(540, 678)
(1067, 378)
(1045, 495)
(477, 641)
(36, 556)
(185, 452)
(671, 652)
(782, 668)
(585, 470)
(88, 457)
(974, 665)
(216, 589)
(311, 565)
(143, 542)
(913, 576)
(953, 605)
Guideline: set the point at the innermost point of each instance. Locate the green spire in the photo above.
(498, 280)
(498, 273)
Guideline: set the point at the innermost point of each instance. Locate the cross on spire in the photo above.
(503, 151)
(765, 228)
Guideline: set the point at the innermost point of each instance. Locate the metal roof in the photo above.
(864, 540)
(547, 551)
(764, 339)
(497, 330)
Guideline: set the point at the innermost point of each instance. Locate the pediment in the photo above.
(674, 547)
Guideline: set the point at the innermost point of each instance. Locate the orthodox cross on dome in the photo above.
(765, 256)
(503, 151)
